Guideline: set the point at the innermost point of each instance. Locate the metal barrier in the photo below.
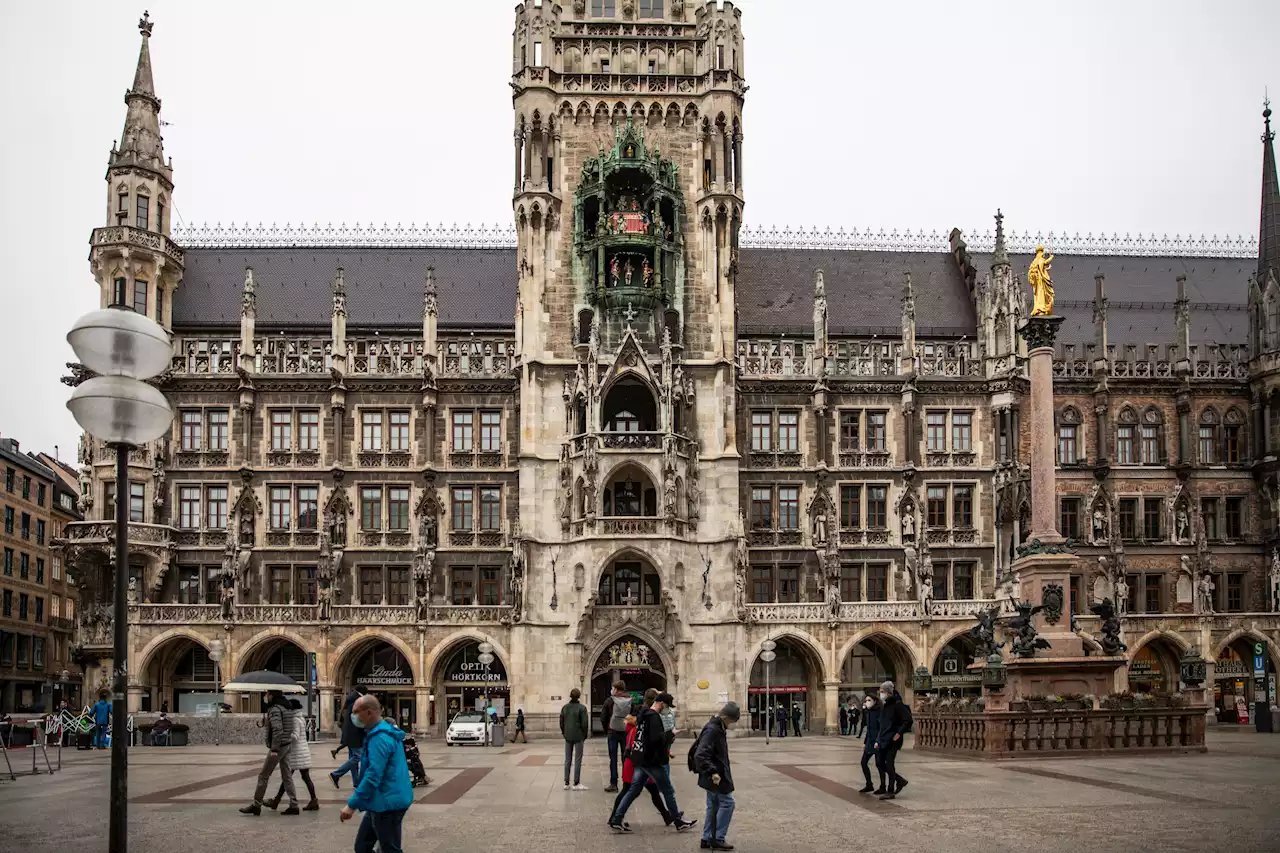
(39, 747)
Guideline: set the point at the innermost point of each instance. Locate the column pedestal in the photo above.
(831, 691)
(324, 714)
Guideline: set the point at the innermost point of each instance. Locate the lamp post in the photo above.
(486, 658)
(768, 655)
(216, 650)
(116, 406)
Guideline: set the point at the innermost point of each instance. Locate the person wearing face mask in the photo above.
(711, 760)
(871, 722)
(278, 730)
(385, 791)
(892, 725)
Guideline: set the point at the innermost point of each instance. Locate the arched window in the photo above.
(1002, 334)
(1069, 436)
(1233, 436)
(1209, 436)
(1152, 437)
(630, 407)
(630, 493)
(627, 583)
(1127, 436)
(1273, 321)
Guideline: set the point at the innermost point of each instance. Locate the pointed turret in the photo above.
(1269, 228)
(1000, 255)
(140, 143)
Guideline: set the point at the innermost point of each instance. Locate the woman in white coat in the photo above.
(299, 759)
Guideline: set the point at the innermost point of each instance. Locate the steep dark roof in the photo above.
(476, 287)
(864, 291)
(774, 290)
(1140, 294)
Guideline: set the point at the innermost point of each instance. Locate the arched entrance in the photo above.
(1238, 683)
(630, 660)
(951, 674)
(871, 662)
(278, 654)
(469, 685)
(180, 677)
(385, 671)
(1154, 667)
(776, 690)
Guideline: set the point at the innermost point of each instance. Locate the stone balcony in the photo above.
(303, 614)
(125, 236)
(156, 539)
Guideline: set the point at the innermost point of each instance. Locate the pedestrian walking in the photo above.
(278, 732)
(299, 759)
(893, 724)
(352, 739)
(871, 719)
(649, 750)
(796, 717)
(575, 725)
(780, 717)
(855, 718)
(711, 761)
(384, 792)
(844, 719)
(520, 733)
(101, 720)
(628, 776)
(615, 711)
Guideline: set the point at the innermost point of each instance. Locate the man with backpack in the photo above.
(615, 711)
(895, 721)
(649, 751)
(709, 758)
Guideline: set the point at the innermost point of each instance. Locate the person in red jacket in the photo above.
(628, 774)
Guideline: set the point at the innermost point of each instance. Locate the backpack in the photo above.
(907, 720)
(693, 751)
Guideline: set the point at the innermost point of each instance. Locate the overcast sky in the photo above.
(1087, 115)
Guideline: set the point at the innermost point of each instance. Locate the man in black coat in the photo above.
(651, 763)
(795, 719)
(352, 739)
(871, 721)
(711, 760)
(893, 725)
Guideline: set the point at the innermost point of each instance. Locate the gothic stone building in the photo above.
(627, 437)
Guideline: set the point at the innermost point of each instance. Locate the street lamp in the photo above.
(768, 655)
(216, 649)
(116, 406)
(486, 658)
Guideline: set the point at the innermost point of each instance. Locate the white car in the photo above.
(467, 727)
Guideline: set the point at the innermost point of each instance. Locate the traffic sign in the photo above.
(1259, 667)
(1258, 648)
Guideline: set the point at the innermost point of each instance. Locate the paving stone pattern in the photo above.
(793, 795)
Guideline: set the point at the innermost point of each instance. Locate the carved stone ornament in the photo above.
(1035, 546)
(1040, 331)
(1052, 600)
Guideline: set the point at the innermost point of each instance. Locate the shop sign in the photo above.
(470, 672)
(381, 676)
(778, 689)
(1230, 669)
(957, 680)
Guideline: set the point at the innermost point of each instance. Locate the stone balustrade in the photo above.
(1011, 734)
(867, 611)
(205, 355)
(339, 614)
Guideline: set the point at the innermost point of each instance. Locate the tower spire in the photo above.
(140, 142)
(1001, 253)
(1269, 228)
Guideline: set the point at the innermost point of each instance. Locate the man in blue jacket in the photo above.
(384, 793)
(101, 720)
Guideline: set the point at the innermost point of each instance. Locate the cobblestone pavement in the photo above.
(793, 795)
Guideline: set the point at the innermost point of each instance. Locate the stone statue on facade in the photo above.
(324, 598)
(909, 525)
(227, 595)
(1204, 594)
(1041, 281)
(833, 601)
(741, 565)
(924, 585)
(1182, 524)
(1121, 587)
(133, 592)
(820, 527)
(1100, 533)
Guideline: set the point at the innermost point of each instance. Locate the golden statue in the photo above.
(1041, 283)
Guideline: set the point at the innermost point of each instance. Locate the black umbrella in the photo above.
(264, 681)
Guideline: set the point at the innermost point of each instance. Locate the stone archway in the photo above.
(876, 653)
(632, 657)
(176, 674)
(1237, 686)
(385, 666)
(460, 682)
(796, 680)
(278, 650)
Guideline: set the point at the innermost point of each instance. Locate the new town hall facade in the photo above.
(630, 438)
